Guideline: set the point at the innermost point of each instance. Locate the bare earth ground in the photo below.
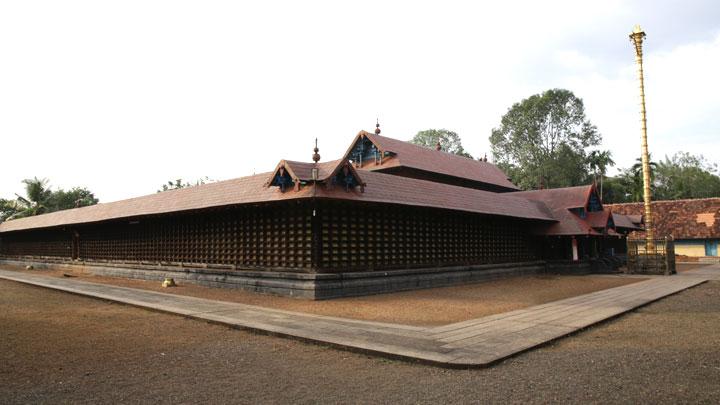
(682, 267)
(58, 348)
(430, 307)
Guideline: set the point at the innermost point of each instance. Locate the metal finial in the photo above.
(438, 146)
(377, 126)
(316, 155)
(637, 37)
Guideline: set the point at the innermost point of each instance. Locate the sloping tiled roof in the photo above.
(598, 219)
(560, 201)
(381, 187)
(431, 160)
(303, 170)
(683, 219)
(567, 197)
(402, 190)
(568, 224)
(624, 221)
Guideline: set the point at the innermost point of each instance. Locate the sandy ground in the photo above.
(436, 306)
(683, 267)
(62, 348)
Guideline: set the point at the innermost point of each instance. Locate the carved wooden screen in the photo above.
(271, 236)
(364, 237)
(276, 236)
(350, 237)
(56, 243)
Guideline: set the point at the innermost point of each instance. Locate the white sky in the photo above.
(122, 96)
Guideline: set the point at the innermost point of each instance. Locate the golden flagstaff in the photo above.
(637, 37)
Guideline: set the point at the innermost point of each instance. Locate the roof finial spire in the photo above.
(438, 147)
(316, 155)
(377, 126)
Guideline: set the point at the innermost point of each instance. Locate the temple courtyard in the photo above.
(60, 347)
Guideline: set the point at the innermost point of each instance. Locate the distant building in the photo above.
(694, 224)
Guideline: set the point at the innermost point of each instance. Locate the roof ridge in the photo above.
(668, 201)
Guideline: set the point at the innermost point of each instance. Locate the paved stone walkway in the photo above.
(474, 343)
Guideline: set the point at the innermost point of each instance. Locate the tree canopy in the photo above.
(40, 199)
(449, 141)
(544, 141)
(179, 183)
(681, 176)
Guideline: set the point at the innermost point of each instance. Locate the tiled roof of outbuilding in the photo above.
(683, 219)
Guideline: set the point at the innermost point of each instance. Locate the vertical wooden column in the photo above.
(316, 239)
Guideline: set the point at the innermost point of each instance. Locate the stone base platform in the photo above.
(315, 286)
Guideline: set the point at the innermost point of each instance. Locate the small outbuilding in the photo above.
(694, 224)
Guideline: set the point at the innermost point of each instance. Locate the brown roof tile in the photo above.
(625, 221)
(560, 201)
(402, 190)
(683, 219)
(566, 197)
(431, 160)
(598, 219)
(381, 187)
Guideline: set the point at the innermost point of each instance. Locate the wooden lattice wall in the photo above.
(342, 236)
(364, 237)
(40, 243)
(276, 236)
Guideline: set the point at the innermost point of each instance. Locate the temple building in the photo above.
(388, 215)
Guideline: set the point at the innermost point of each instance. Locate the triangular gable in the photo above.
(364, 150)
(346, 176)
(283, 176)
(593, 202)
(292, 174)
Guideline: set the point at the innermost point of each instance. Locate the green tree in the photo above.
(686, 176)
(35, 201)
(449, 141)
(616, 190)
(633, 178)
(40, 199)
(178, 184)
(598, 162)
(8, 208)
(74, 198)
(542, 141)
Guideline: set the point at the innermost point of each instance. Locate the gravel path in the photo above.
(57, 347)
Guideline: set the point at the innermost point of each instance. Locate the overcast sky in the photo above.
(122, 96)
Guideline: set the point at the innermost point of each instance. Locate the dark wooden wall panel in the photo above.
(349, 237)
(42, 243)
(276, 236)
(363, 237)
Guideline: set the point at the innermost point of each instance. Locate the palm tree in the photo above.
(35, 203)
(637, 177)
(599, 162)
